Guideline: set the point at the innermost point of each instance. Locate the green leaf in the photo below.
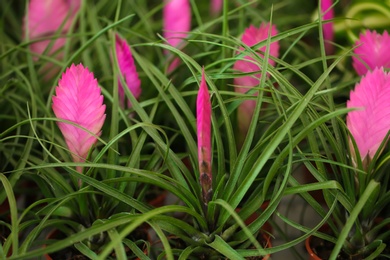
(85, 250)
(14, 237)
(221, 246)
(370, 189)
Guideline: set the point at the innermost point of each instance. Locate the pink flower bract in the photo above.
(251, 37)
(45, 18)
(372, 52)
(216, 6)
(328, 31)
(203, 121)
(78, 99)
(128, 70)
(370, 123)
(176, 23)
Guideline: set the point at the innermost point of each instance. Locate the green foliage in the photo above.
(298, 121)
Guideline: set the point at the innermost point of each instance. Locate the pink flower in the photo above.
(177, 23)
(216, 6)
(48, 18)
(251, 37)
(78, 99)
(370, 123)
(328, 14)
(372, 51)
(45, 18)
(128, 70)
(203, 120)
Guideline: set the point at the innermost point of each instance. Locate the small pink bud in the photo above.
(78, 99)
(128, 70)
(203, 120)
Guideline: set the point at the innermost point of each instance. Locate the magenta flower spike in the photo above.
(176, 23)
(328, 31)
(78, 99)
(370, 123)
(128, 70)
(45, 18)
(203, 121)
(371, 52)
(48, 18)
(216, 6)
(252, 36)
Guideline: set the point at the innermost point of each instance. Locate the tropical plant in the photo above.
(216, 103)
(354, 154)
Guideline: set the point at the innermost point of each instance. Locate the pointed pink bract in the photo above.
(78, 99)
(216, 6)
(203, 121)
(45, 18)
(371, 122)
(177, 23)
(128, 70)
(372, 52)
(251, 37)
(328, 31)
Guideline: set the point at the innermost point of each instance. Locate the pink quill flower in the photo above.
(370, 123)
(372, 51)
(203, 120)
(128, 70)
(78, 99)
(45, 18)
(251, 37)
(176, 23)
(216, 6)
(48, 18)
(328, 31)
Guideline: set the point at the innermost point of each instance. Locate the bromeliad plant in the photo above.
(223, 141)
(93, 163)
(355, 154)
(85, 186)
(224, 185)
(78, 211)
(359, 217)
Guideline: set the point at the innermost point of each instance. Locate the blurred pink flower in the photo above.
(47, 18)
(328, 14)
(251, 37)
(177, 23)
(372, 51)
(78, 99)
(216, 6)
(203, 121)
(128, 70)
(370, 123)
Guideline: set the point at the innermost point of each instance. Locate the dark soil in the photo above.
(323, 248)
